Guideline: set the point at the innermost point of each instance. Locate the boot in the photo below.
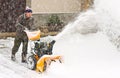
(23, 58)
(13, 57)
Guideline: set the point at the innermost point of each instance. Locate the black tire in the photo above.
(31, 62)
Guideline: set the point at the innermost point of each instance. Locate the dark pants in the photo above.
(18, 40)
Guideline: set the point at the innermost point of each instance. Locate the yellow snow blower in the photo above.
(41, 54)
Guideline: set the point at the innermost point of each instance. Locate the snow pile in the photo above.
(90, 56)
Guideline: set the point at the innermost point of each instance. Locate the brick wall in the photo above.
(9, 12)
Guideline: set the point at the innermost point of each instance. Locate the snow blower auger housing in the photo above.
(42, 56)
(45, 61)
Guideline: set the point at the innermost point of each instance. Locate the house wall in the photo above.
(56, 6)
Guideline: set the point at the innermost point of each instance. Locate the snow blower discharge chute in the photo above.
(41, 54)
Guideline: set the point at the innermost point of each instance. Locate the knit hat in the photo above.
(28, 10)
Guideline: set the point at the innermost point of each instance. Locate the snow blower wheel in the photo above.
(31, 62)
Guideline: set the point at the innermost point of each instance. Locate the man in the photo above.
(25, 21)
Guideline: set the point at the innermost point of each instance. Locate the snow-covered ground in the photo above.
(91, 55)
